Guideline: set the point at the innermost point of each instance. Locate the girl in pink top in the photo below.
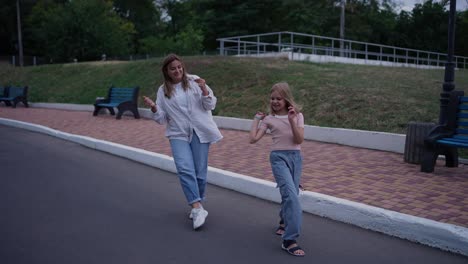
(286, 125)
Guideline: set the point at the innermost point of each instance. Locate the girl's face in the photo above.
(175, 70)
(278, 104)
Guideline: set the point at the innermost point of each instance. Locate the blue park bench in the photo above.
(11, 95)
(446, 139)
(124, 99)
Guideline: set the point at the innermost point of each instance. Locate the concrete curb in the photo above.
(428, 232)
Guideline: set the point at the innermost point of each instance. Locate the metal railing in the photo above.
(262, 44)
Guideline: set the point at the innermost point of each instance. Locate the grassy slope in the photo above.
(333, 95)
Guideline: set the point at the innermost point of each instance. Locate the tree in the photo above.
(81, 29)
(461, 34)
(9, 37)
(146, 17)
(430, 21)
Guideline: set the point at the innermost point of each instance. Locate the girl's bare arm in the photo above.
(255, 133)
(298, 132)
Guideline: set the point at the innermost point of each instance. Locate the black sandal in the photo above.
(292, 250)
(280, 230)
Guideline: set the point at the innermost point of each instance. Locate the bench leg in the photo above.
(451, 157)
(122, 108)
(135, 112)
(119, 115)
(96, 110)
(429, 158)
(111, 110)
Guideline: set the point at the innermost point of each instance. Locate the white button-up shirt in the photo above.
(194, 114)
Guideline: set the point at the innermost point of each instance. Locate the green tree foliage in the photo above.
(81, 29)
(155, 45)
(461, 39)
(146, 17)
(184, 33)
(8, 36)
(429, 26)
(312, 17)
(187, 42)
(403, 25)
(84, 29)
(369, 20)
(8, 23)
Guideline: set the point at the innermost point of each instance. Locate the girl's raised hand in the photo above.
(292, 113)
(259, 115)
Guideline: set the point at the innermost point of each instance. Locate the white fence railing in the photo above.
(318, 45)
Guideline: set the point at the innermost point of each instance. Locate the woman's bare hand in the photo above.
(201, 82)
(149, 102)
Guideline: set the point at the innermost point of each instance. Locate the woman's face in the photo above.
(277, 102)
(175, 70)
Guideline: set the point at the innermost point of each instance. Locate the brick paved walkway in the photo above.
(372, 177)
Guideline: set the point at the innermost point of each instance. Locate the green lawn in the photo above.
(333, 95)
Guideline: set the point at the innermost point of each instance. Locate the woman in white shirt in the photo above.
(184, 103)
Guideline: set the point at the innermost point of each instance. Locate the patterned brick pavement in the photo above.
(372, 177)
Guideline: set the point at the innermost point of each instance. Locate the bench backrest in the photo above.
(2, 91)
(16, 91)
(461, 130)
(119, 95)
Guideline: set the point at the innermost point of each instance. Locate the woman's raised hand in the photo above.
(201, 82)
(149, 103)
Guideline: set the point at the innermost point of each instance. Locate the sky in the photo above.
(409, 4)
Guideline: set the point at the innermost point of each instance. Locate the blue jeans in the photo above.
(191, 161)
(287, 168)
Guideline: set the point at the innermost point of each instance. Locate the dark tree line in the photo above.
(62, 30)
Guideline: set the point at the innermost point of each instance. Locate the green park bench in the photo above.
(124, 99)
(11, 95)
(446, 139)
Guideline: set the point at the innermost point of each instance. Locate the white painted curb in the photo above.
(440, 235)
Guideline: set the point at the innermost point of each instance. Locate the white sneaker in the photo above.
(198, 215)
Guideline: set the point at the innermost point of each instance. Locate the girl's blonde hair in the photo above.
(168, 85)
(283, 89)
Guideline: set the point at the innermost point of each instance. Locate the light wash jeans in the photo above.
(191, 160)
(287, 168)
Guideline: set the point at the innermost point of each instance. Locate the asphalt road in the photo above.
(64, 203)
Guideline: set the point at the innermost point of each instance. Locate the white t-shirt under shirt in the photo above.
(281, 131)
(181, 96)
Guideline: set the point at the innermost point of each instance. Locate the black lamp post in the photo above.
(20, 40)
(449, 84)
